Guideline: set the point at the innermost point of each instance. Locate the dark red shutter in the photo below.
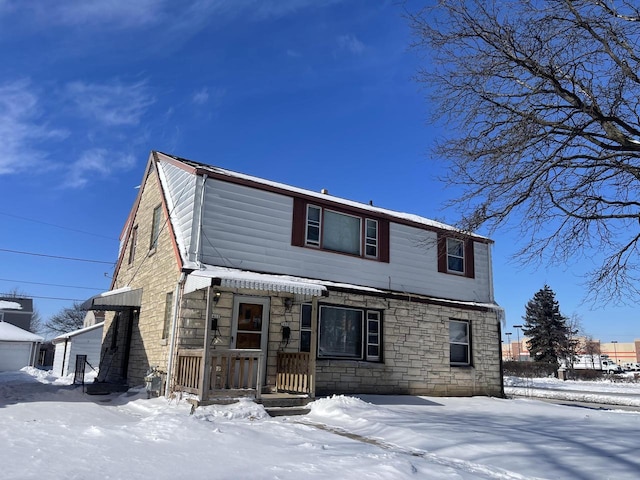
(442, 254)
(298, 222)
(383, 236)
(469, 262)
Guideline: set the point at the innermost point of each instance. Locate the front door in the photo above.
(251, 323)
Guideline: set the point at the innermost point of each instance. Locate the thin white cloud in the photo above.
(186, 16)
(201, 96)
(293, 53)
(21, 129)
(96, 162)
(111, 104)
(351, 44)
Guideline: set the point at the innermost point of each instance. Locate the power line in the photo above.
(48, 284)
(58, 226)
(46, 298)
(56, 256)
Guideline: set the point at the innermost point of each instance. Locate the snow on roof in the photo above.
(323, 196)
(5, 305)
(80, 331)
(11, 333)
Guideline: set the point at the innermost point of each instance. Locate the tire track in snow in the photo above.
(463, 465)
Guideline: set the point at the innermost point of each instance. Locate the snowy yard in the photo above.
(51, 429)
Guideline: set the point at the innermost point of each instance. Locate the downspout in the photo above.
(500, 317)
(198, 221)
(177, 296)
(64, 356)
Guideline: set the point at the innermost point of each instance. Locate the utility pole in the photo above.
(508, 334)
(518, 327)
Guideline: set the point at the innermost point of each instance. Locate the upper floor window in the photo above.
(155, 228)
(455, 255)
(327, 228)
(132, 244)
(459, 343)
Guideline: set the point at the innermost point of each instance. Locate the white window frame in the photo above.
(365, 241)
(370, 242)
(373, 337)
(457, 342)
(455, 256)
(313, 224)
(306, 308)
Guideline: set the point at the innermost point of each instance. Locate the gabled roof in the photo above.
(11, 333)
(257, 182)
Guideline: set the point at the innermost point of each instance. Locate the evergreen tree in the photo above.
(547, 329)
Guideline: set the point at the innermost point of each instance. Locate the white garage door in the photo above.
(14, 355)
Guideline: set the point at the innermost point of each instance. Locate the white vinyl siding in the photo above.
(251, 229)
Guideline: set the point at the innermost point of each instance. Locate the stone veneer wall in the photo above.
(157, 271)
(415, 348)
(416, 353)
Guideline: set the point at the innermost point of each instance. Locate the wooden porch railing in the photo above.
(230, 372)
(294, 374)
(189, 371)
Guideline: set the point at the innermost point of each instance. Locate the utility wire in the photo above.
(5, 295)
(48, 284)
(56, 256)
(58, 226)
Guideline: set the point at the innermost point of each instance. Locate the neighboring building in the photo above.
(18, 347)
(222, 275)
(86, 341)
(92, 318)
(620, 352)
(16, 311)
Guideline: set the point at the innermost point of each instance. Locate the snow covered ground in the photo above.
(50, 429)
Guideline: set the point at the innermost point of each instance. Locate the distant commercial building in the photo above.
(620, 352)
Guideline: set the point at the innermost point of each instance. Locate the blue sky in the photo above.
(312, 94)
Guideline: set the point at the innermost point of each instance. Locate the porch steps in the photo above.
(285, 404)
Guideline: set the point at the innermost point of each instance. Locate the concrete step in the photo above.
(281, 400)
(287, 411)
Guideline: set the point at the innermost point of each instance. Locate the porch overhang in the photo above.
(115, 300)
(234, 278)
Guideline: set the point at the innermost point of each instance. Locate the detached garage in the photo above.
(18, 348)
(86, 341)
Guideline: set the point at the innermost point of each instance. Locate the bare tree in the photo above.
(545, 95)
(67, 320)
(36, 325)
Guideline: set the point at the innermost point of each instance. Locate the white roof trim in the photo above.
(233, 278)
(80, 331)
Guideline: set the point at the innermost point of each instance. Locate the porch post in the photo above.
(206, 361)
(313, 351)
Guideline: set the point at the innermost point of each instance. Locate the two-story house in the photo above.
(230, 283)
